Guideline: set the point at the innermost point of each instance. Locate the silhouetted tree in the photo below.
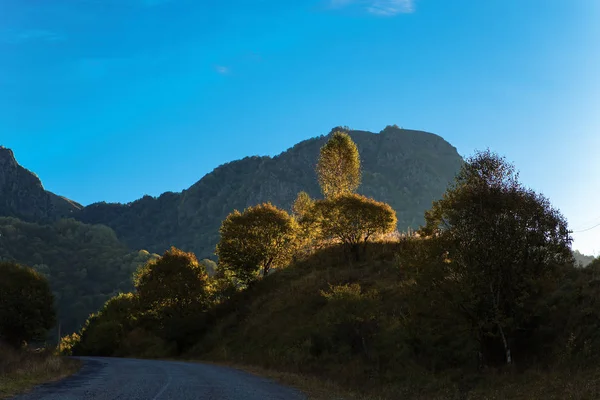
(500, 241)
(26, 304)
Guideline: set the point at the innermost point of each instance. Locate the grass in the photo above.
(314, 388)
(22, 370)
(577, 384)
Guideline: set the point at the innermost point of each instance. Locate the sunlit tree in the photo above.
(354, 219)
(256, 241)
(338, 168)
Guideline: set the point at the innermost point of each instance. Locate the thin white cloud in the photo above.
(223, 70)
(385, 8)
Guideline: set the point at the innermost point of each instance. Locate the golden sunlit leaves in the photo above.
(339, 166)
(354, 219)
(259, 239)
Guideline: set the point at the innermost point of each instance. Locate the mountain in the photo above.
(407, 169)
(89, 253)
(23, 196)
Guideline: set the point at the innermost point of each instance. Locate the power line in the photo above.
(592, 221)
(588, 229)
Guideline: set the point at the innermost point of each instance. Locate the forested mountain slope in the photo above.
(23, 196)
(405, 168)
(85, 264)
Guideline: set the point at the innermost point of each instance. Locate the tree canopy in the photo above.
(175, 279)
(26, 304)
(338, 168)
(353, 219)
(499, 241)
(259, 239)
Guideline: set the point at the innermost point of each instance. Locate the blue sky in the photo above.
(114, 99)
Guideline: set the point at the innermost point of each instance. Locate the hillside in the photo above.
(405, 168)
(85, 264)
(582, 259)
(373, 326)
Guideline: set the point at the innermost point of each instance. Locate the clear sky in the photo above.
(114, 99)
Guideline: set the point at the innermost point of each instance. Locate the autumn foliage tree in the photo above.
(338, 168)
(354, 220)
(500, 242)
(26, 304)
(257, 240)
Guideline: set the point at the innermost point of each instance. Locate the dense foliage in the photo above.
(502, 245)
(26, 305)
(85, 264)
(353, 220)
(256, 241)
(162, 317)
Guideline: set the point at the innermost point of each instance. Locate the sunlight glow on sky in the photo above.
(114, 99)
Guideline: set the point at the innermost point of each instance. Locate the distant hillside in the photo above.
(582, 259)
(408, 169)
(23, 196)
(85, 264)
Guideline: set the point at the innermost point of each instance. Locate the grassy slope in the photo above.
(275, 325)
(21, 371)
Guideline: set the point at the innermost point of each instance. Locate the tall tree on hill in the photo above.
(26, 304)
(501, 242)
(338, 168)
(259, 239)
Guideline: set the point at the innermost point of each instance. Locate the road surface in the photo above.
(130, 379)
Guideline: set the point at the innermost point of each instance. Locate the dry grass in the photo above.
(581, 384)
(22, 370)
(313, 387)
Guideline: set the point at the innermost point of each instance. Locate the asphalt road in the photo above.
(120, 378)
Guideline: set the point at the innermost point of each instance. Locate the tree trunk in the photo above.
(506, 346)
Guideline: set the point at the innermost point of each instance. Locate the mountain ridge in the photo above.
(396, 163)
(406, 168)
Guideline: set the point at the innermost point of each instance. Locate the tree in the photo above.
(302, 205)
(354, 219)
(26, 304)
(259, 239)
(103, 332)
(175, 279)
(500, 242)
(338, 168)
(174, 292)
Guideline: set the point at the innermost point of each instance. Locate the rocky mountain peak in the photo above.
(22, 194)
